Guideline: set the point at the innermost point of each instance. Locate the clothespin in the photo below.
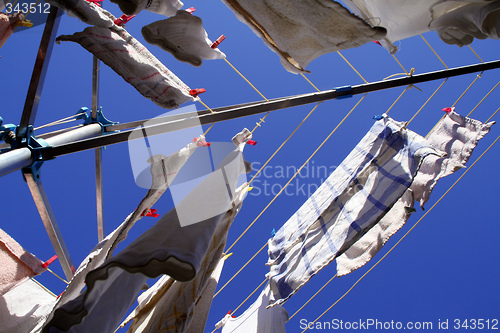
(196, 92)
(377, 42)
(218, 41)
(150, 212)
(448, 110)
(191, 10)
(227, 256)
(23, 23)
(96, 2)
(273, 232)
(201, 142)
(378, 117)
(50, 261)
(122, 20)
(251, 142)
(229, 313)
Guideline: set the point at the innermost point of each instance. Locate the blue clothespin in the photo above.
(273, 232)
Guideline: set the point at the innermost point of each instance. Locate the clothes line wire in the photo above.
(406, 234)
(434, 51)
(481, 101)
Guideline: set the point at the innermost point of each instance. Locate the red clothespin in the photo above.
(229, 313)
(150, 212)
(201, 143)
(122, 20)
(96, 2)
(251, 142)
(377, 42)
(196, 92)
(50, 261)
(218, 41)
(191, 10)
(448, 110)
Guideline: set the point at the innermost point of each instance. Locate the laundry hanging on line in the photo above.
(257, 319)
(455, 135)
(87, 12)
(455, 21)
(8, 24)
(174, 306)
(300, 31)
(350, 201)
(162, 7)
(183, 36)
(163, 171)
(166, 248)
(132, 61)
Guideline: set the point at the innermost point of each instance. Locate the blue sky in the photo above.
(445, 269)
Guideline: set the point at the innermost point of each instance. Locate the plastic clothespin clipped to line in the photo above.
(196, 92)
(251, 142)
(218, 41)
(191, 10)
(122, 20)
(448, 110)
(150, 212)
(23, 23)
(96, 2)
(50, 261)
(201, 142)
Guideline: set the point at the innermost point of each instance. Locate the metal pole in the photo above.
(248, 109)
(49, 221)
(39, 71)
(21, 158)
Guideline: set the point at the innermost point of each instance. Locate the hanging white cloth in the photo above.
(166, 248)
(132, 61)
(257, 318)
(455, 135)
(300, 31)
(86, 11)
(350, 202)
(184, 37)
(162, 7)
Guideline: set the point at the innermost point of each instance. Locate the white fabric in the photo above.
(163, 7)
(173, 306)
(88, 12)
(16, 264)
(184, 37)
(300, 31)
(456, 21)
(24, 307)
(257, 319)
(166, 248)
(459, 22)
(132, 61)
(455, 135)
(163, 170)
(350, 202)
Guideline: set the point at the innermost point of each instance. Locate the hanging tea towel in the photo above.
(87, 12)
(183, 36)
(162, 7)
(132, 61)
(300, 31)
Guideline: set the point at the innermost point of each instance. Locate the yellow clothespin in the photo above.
(227, 256)
(23, 23)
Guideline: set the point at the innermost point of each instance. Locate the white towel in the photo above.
(459, 22)
(257, 319)
(24, 307)
(132, 61)
(183, 36)
(455, 135)
(173, 306)
(16, 264)
(163, 7)
(300, 31)
(166, 248)
(87, 12)
(351, 201)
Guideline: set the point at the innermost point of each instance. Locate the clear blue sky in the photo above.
(446, 268)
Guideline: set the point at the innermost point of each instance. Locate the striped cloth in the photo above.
(132, 61)
(351, 201)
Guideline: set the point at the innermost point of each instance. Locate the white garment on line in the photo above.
(455, 135)
(300, 31)
(183, 36)
(24, 307)
(174, 306)
(257, 318)
(87, 12)
(162, 7)
(132, 61)
(166, 248)
(351, 201)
